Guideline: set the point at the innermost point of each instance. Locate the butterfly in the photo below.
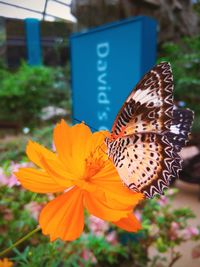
(148, 134)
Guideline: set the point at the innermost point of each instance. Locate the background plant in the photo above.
(13, 148)
(26, 91)
(164, 229)
(185, 59)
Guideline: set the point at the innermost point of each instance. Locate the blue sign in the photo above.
(32, 27)
(107, 62)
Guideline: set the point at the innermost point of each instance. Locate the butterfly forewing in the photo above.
(150, 105)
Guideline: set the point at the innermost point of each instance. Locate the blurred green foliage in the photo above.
(196, 7)
(185, 60)
(70, 254)
(13, 148)
(26, 91)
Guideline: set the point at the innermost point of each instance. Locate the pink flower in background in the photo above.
(14, 167)
(89, 256)
(189, 232)
(111, 238)
(98, 226)
(175, 226)
(185, 234)
(50, 196)
(174, 230)
(163, 201)
(8, 215)
(3, 179)
(34, 208)
(194, 231)
(171, 192)
(53, 147)
(138, 215)
(10, 179)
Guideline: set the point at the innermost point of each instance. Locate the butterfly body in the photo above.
(148, 133)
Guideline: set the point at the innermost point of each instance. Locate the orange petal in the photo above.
(119, 193)
(63, 217)
(51, 163)
(81, 134)
(130, 223)
(109, 181)
(71, 144)
(55, 169)
(37, 181)
(62, 140)
(6, 263)
(34, 152)
(108, 172)
(98, 207)
(96, 143)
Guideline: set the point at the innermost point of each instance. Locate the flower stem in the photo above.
(5, 251)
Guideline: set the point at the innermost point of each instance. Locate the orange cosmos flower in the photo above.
(6, 263)
(81, 170)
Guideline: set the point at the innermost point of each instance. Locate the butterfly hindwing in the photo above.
(180, 127)
(146, 162)
(150, 105)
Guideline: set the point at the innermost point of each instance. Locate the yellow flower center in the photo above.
(93, 165)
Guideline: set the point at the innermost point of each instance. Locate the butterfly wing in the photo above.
(146, 162)
(150, 105)
(148, 133)
(180, 127)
